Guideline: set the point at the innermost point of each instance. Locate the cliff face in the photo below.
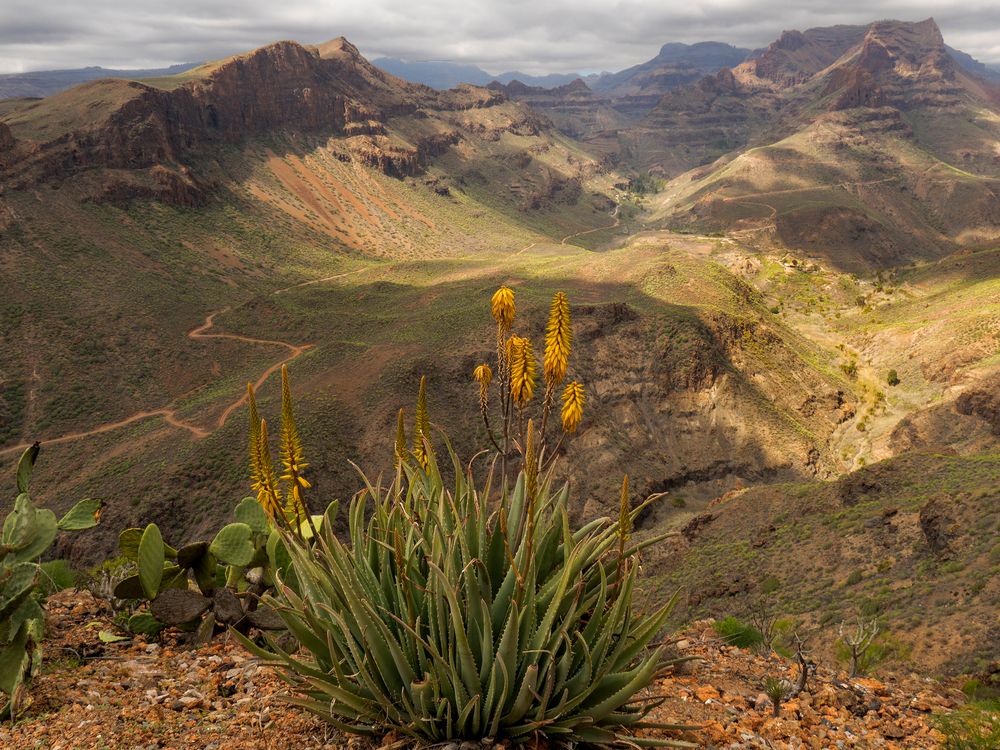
(573, 108)
(796, 55)
(911, 64)
(330, 89)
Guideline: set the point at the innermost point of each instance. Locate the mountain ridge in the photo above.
(849, 107)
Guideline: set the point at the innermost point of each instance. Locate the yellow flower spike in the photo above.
(574, 399)
(254, 437)
(531, 462)
(483, 375)
(400, 448)
(291, 452)
(422, 426)
(624, 518)
(558, 340)
(266, 484)
(502, 307)
(522, 370)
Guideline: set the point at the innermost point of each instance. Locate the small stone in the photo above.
(706, 693)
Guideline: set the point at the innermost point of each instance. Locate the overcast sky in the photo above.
(534, 36)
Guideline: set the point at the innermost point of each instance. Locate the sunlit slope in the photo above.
(692, 382)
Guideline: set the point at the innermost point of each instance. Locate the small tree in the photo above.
(892, 378)
(858, 643)
(762, 617)
(805, 665)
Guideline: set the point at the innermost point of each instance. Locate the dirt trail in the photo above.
(615, 223)
(318, 281)
(169, 414)
(294, 351)
(810, 189)
(565, 240)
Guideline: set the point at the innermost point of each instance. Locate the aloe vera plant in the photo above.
(28, 532)
(465, 613)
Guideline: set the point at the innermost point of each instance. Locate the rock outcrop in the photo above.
(329, 89)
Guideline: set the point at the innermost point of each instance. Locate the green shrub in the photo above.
(770, 584)
(978, 690)
(892, 378)
(854, 578)
(973, 727)
(28, 532)
(459, 613)
(882, 648)
(738, 633)
(995, 553)
(57, 575)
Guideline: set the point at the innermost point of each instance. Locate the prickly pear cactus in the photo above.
(28, 532)
(205, 586)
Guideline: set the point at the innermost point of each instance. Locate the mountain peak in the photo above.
(796, 56)
(790, 40)
(905, 46)
(903, 54)
(338, 48)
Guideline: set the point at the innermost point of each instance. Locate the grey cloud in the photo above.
(531, 35)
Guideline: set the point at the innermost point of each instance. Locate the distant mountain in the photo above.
(47, 82)
(605, 102)
(972, 65)
(441, 74)
(573, 108)
(867, 144)
(675, 64)
(438, 74)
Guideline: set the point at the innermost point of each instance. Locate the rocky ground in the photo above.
(138, 695)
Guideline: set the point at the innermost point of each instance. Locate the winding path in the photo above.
(169, 414)
(565, 240)
(615, 223)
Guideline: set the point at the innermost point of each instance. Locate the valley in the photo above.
(783, 275)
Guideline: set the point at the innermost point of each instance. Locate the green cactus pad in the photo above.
(151, 558)
(249, 512)
(233, 545)
(84, 515)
